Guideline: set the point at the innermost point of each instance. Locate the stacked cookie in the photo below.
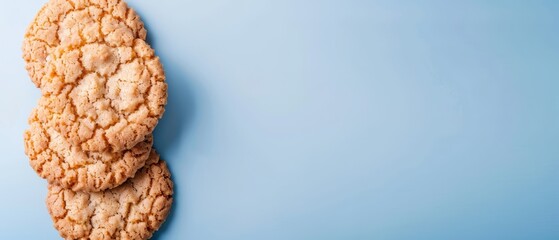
(103, 92)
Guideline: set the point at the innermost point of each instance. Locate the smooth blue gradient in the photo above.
(291, 119)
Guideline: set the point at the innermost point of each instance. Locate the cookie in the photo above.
(134, 210)
(102, 97)
(62, 164)
(73, 23)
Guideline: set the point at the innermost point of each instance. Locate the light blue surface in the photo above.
(333, 119)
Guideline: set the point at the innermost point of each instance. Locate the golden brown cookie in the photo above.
(73, 23)
(134, 210)
(62, 164)
(102, 97)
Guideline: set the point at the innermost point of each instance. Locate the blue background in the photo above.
(333, 119)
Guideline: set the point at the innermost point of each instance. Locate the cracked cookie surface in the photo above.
(72, 23)
(62, 164)
(102, 97)
(134, 210)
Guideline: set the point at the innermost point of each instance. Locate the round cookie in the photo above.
(72, 23)
(102, 97)
(62, 164)
(134, 210)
